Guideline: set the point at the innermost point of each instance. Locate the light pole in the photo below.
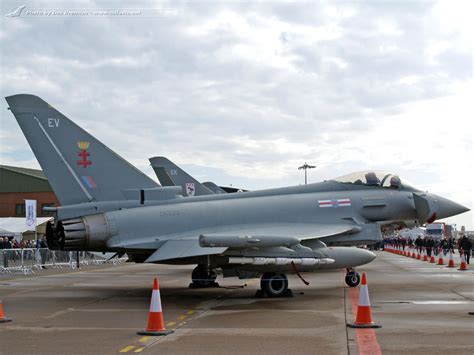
(305, 167)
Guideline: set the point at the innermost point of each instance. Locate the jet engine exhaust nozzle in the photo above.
(86, 233)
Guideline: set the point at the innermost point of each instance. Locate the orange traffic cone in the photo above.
(451, 260)
(440, 258)
(425, 255)
(364, 312)
(418, 255)
(463, 266)
(156, 325)
(432, 258)
(3, 319)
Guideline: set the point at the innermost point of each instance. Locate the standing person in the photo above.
(429, 246)
(418, 244)
(2, 254)
(5, 244)
(44, 250)
(465, 245)
(451, 244)
(38, 254)
(444, 245)
(435, 246)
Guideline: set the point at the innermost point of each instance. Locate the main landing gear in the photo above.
(352, 278)
(274, 285)
(203, 276)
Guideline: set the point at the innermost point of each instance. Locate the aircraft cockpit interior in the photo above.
(377, 179)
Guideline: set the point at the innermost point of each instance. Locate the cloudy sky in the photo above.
(243, 93)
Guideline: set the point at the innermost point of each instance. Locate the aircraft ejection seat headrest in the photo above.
(395, 181)
(371, 178)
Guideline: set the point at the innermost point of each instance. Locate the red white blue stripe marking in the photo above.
(89, 182)
(341, 202)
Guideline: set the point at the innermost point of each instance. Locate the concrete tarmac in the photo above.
(423, 308)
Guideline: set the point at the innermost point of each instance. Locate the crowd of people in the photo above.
(7, 258)
(6, 243)
(433, 246)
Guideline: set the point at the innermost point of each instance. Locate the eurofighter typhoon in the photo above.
(107, 205)
(169, 174)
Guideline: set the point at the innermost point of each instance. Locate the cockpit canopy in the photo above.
(376, 178)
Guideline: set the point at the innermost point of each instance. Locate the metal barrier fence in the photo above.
(28, 260)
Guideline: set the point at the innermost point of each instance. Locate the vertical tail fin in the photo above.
(78, 166)
(170, 174)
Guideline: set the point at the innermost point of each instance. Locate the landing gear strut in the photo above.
(203, 276)
(274, 285)
(352, 278)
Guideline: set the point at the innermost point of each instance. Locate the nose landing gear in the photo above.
(352, 278)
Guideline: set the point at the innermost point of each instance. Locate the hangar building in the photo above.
(19, 184)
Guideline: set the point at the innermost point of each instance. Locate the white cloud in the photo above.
(243, 93)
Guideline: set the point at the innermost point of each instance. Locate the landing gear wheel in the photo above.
(203, 276)
(352, 278)
(275, 285)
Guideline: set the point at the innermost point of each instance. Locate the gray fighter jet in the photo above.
(109, 205)
(169, 174)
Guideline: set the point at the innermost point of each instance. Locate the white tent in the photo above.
(5, 233)
(15, 226)
(413, 233)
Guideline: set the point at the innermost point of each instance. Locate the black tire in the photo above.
(352, 279)
(203, 276)
(274, 285)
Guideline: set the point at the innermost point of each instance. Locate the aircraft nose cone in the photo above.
(448, 208)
